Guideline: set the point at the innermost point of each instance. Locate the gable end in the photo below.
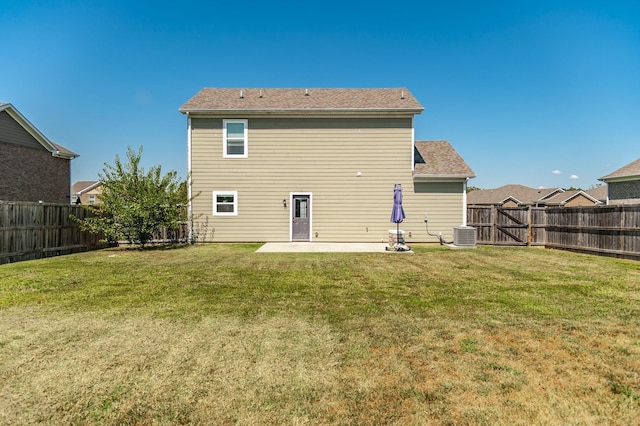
(16, 129)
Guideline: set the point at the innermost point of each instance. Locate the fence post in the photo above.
(622, 229)
(41, 224)
(492, 221)
(529, 226)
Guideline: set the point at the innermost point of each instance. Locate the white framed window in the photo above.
(225, 203)
(235, 139)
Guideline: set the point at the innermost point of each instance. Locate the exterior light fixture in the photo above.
(284, 203)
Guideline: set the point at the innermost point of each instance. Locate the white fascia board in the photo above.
(32, 130)
(511, 198)
(595, 200)
(90, 187)
(620, 179)
(551, 194)
(442, 177)
(303, 112)
(59, 154)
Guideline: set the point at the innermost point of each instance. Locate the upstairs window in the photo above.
(234, 138)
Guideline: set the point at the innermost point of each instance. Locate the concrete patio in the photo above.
(311, 247)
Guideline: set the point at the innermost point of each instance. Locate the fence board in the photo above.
(508, 225)
(36, 230)
(606, 230)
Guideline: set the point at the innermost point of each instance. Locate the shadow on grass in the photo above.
(152, 247)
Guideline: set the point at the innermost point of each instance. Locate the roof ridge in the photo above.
(366, 100)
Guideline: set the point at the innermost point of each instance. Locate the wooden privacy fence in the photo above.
(36, 230)
(512, 226)
(605, 230)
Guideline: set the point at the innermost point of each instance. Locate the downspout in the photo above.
(413, 145)
(189, 190)
(464, 202)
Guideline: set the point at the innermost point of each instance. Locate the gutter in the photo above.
(619, 178)
(440, 176)
(301, 111)
(57, 154)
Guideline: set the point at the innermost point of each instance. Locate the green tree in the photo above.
(134, 204)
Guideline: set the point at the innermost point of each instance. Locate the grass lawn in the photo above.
(219, 334)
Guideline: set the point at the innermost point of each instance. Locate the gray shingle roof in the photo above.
(439, 159)
(562, 198)
(83, 185)
(291, 100)
(64, 151)
(630, 170)
(599, 193)
(520, 193)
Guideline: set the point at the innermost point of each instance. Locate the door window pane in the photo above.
(301, 208)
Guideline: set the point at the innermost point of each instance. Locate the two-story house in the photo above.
(86, 192)
(32, 168)
(624, 184)
(284, 165)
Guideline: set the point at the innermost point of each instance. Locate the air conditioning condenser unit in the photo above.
(464, 236)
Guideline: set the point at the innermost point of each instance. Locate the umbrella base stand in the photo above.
(396, 236)
(399, 247)
(396, 241)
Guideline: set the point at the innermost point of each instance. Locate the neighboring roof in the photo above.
(562, 198)
(83, 186)
(629, 172)
(438, 159)
(302, 100)
(55, 149)
(518, 193)
(599, 192)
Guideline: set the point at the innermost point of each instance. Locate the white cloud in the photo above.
(556, 172)
(573, 177)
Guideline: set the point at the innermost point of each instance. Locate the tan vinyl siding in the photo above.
(443, 204)
(318, 156)
(579, 200)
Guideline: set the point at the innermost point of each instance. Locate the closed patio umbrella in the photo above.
(397, 214)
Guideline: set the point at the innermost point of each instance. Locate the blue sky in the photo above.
(540, 93)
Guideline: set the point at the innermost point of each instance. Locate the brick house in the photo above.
(32, 168)
(624, 184)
